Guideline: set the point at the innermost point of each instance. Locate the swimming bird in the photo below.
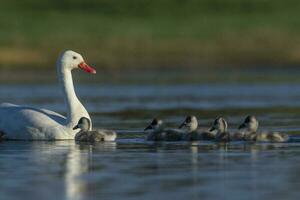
(29, 123)
(212, 133)
(85, 135)
(247, 130)
(272, 137)
(156, 131)
(190, 127)
(219, 127)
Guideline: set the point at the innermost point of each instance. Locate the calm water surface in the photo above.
(131, 168)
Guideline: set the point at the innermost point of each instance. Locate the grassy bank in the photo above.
(151, 33)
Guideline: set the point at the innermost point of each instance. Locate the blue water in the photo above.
(134, 169)
(131, 168)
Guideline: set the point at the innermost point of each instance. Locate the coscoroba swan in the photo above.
(247, 130)
(252, 134)
(27, 123)
(86, 135)
(190, 127)
(156, 131)
(220, 126)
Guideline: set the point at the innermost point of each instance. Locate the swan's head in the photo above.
(219, 125)
(250, 123)
(84, 124)
(190, 123)
(155, 125)
(72, 60)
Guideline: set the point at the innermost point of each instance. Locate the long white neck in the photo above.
(75, 109)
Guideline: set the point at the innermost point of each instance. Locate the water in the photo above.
(131, 168)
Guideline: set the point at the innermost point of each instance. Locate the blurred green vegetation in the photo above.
(151, 33)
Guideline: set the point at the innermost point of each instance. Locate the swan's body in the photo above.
(209, 135)
(272, 137)
(190, 127)
(157, 132)
(85, 135)
(193, 135)
(247, 130)
(28, 123)
(212, 133)
(22, 122)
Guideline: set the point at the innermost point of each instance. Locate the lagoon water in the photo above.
(131, 168)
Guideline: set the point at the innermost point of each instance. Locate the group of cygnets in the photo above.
(189, 131)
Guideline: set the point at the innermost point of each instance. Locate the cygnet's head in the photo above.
(84, 124)
(155, 125)
(250, 124)
(70, 60)
(190, 123)
(219, 125)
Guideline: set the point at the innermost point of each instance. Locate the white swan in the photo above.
(27, 123)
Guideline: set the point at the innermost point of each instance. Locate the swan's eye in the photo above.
(74, 57)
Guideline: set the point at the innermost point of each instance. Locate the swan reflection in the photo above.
(75, 160)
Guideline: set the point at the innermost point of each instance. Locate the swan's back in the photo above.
(194, 135)
(272, 137)
(85, 135)
(24, 122)
(223, 137)
(173, 135)
(96, 136)
(208, 135)
(157, 132)
(165, 135)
